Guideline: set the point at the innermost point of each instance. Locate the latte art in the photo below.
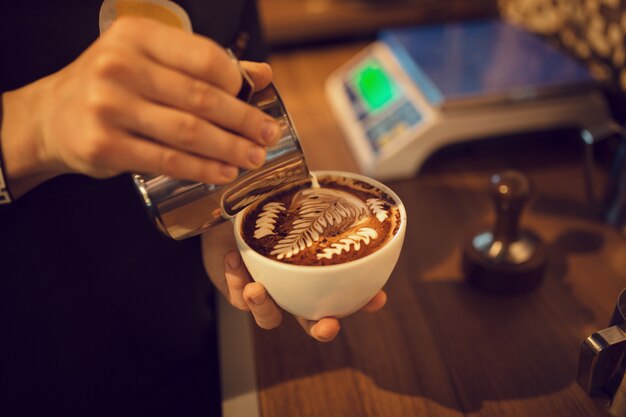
(319, 212)
(341, 220)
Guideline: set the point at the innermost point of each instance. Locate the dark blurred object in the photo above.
(506, 259)
(601, 364)
(611, 203)
(293, 22)
(593, 31)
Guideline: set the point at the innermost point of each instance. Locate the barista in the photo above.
(99, 313)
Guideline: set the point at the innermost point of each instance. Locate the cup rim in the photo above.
(336, 267)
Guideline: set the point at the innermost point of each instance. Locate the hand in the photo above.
(228, 273)
(144, 97)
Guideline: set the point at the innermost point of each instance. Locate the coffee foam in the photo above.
(343, 220)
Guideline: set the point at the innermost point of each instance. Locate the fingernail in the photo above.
(229, 171)
(259, 298)
(256, 155)
(234, 261)
(321, 338)
(269, 132)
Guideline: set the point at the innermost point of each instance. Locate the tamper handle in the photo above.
(507, 259)
(510, 191)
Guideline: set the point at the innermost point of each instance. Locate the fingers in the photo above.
(175, 92)
(194, 55)
(252, 296)
(119, 151)
(171, 47)
(328, 328)
(216, 242)
(185, 132)
(249, 296)
(323, 330)
(174, 89)
(236, 279)
(259, 72)
(266, 314)
(376, 303)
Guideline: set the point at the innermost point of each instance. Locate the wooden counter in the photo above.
(440, 348)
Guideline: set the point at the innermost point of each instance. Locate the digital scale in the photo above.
(418, 89)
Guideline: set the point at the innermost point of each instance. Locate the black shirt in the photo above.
(99, 313)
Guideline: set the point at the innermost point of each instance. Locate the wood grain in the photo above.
(440, 348)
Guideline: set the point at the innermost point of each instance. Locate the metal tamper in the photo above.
(506, 259)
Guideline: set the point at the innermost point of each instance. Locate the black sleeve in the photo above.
(255, 48)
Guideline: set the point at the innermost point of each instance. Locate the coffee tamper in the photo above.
(506, 259)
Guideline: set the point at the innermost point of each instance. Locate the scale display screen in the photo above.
(380, 105)
(374, 85)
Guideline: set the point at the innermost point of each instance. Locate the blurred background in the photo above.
(592, 30)
(297, 22)
(518, 355)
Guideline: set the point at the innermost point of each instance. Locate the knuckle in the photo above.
(232, 147)
(202, 97)
(213, 58)
(97, 149)
(268, 323)
(237, 285)
(250, 117)
(207, 59)
(110, 64)
(188, 130)
(170, 162)
(98, 101)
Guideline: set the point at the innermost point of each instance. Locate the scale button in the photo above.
(392, 134)
(409, 114)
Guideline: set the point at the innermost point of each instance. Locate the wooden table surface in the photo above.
(440, 348)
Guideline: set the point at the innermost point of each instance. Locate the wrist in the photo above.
(24, 164)
(5, 193)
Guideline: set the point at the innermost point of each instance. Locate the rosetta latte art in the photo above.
(267, 219)
(319, 210)
(326, 225)
(364, 235)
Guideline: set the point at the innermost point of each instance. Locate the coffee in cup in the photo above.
(329, 221)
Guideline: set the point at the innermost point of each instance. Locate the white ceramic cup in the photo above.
(314, 292)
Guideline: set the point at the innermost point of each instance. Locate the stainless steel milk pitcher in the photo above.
(182, 209)
(601, 364)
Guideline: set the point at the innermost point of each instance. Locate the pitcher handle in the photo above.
(600, 368)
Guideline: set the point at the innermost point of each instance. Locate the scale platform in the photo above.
(418, 89)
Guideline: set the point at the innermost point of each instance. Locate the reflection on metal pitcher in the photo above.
(182, 209)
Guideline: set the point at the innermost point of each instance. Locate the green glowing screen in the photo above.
(374, 85)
